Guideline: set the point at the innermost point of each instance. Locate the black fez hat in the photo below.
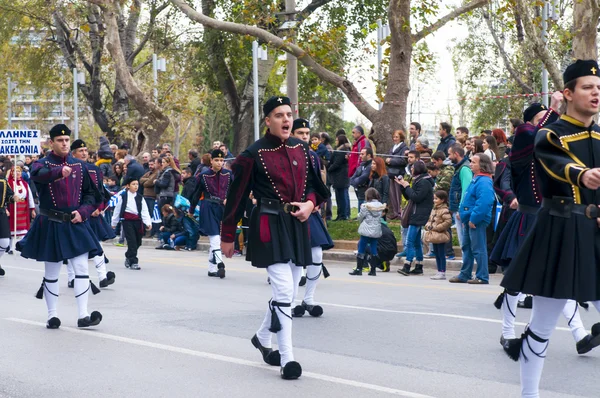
(129, 180)
(78, 143)
(533, 110)
(300, 124)
(580, 68)
(274, 102)
(217, 153)
(58, 130)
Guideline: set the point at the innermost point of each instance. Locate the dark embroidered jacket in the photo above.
(213, 185)
(272, 169)
(76, 192)
(564, 150)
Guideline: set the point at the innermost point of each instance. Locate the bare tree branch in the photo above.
(272, 40)
(148, 61)
(447, 18)
(538, 45)
(153, 14)
(312, 7)
(507, 64)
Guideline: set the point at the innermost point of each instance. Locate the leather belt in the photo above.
(218, 201)
(274, 206)
(590, 211)
(57, 216)
(528, 209)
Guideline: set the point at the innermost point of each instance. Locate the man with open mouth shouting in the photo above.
(277, 169)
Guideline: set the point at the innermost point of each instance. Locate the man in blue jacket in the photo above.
(475, 212)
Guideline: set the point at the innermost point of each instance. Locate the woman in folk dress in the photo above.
(24, 209)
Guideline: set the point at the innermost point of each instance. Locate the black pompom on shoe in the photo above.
(269, 356)
(2, 272)
(315, 310)
(53, 323)
(94, 319)
(298, 311)
(291, 371)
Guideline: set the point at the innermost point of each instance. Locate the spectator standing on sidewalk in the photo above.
(420, 197)
(436, 231)
(476, 214)
(338, 176)
(360, 178)
(460, 182)
(360, 142)
(446, 139)
(396, 163)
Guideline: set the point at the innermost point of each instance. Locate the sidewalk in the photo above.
(343, 252)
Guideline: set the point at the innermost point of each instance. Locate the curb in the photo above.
(345, 256)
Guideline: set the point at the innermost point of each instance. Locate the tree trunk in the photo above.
(585, 20)
(392, 115)
(120, 102)
(152, 122)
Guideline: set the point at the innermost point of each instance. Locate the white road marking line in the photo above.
(464, 317)
(223, 358)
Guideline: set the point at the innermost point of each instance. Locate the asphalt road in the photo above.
(170, 331)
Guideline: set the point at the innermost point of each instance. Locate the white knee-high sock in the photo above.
(264, 334)
(571, 313)
(4, 245)
(284, 277)
(51, 289)
(544, 317)
(214, 253)
(82, 283)
(509, 312)
(70, 271)
(100, 267)
(313, 273)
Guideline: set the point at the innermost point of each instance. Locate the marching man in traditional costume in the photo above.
(6, 196)
(98, 223)
(526, 186)
(213, 185)
(68, 197)
(277, 169)
(319, 237)
(560, 258)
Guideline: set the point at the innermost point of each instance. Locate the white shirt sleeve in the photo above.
(146, 219)
(116, 212)
(30, 196)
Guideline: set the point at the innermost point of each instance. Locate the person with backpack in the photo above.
(131, 210)
(369, 230)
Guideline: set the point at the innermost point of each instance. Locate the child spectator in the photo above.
(369, 230)
(132, 212)
(436, 231)
(170, 228)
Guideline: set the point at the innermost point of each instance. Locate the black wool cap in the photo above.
(533, 110)
(580, 68)
(58, 130)
(77, 144)
(129, 180)
(217, 154)
(300, 124)
(273, 103)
